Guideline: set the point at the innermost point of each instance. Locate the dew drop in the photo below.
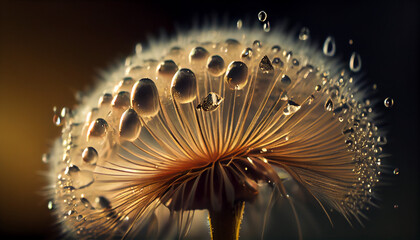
(262, 16)
(286, 80)
(388, 102)
(236, 75)
(381, 140)
(295, 62)
(318, 88)
(276, 49)
(304, 34)
(97, 128)
(72, 170)
(121, 100)
(145, 98)
(166, 69)
(102, 202)
(277, 62)
(198, 54)
(355, 63)
(90, 155)
(246, 53)
(267, 26)
(257, 44)
(329, 46)
(211, 102)
(134, 71)
(215, 65)
(105, 100)
(396, 171)
(184, 86)
(239, 24)
(79, 218)
(329, 105)
(130, 125)
(265, 65)
(291, 108)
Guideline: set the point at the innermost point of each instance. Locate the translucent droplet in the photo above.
(166, 69)
(230, 45)
(267, 26)
(276, 49)
(51, 205)
(239, 24)
(388, 102)
(184, 86)
(97, 128)
(329, 105)
(71, 170)
(82, 179)
(277, 62)
(246, 53)
(396, 171)
(215, 65)
(130, 125)
(382, 140)
(355, 63)
(57, 119)
(102, 202)
(105, 100)
(211, 102)
(257, 44)
(198, 54)
(262, 16)
(286, 80)
(291, 108)
(304, 34)
(121, 100)
(79, 218)
(145, 98)
(134, 71)
(265, 65)
(329, 46)
(90, 155)
(236, 75)
(318, 88)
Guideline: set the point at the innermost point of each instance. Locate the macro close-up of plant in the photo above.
(232, 127)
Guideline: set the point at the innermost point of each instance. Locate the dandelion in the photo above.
(203, 124)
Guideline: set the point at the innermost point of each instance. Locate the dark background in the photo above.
(51, 49)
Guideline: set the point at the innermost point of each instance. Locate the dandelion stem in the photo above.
(225, 223)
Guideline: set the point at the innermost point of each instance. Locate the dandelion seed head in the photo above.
(202, 120)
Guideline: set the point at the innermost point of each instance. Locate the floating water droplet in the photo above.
(166, 69)
(71, 170)
(329, 105)
(130, 125)
(97, 128)
(198, 55)
(134, 71)
(329, 46)
(90, 155)
(267, 27)
(291, 108)
(265, 65)
(102, 202)
(145, 98)
(246, 53)
(262, 16)
(388, 102)
(286, 80)
(355, 63)
(211, 102)
(239, 24)
(215, 65)
(304, 34)
(396, 171)
(121, 100)
(236, 75)
(184, 86)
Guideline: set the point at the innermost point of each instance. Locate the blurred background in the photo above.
(51, 49)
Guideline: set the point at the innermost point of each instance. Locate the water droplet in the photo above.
(318, 88)
(286, 80)
(134, 71)
(145, 98)
(277, 62)
(130, 125)
(295, 62)
(105, 100)
(166, 69)
(211, 102)
(388, 102)
(276, 49)
(51, 205)
(267, 26)
(215, 65)
(71, 170)
(198, 55)
(304, 34)
(262, 16)
(381, 140)
(230, 45)
(97, 128)
(236, 75)
(239, 24)
(102, 202)
(121, 100)
(329, 46)
(355, 63)
(184, 86)
(291, 108)
(265, 65)
(79, 218)
(257, 44)
(90, 155)
(396, 171)
(246, 53)
(45, 157)
(329, 105)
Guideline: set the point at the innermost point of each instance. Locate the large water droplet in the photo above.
(265, 65)
(291, 108)
(304, 34)
(355, 63)
(286, 80)
(215, 65)
(277, 62)
(262, 16)
(198, 55)
(166, 69)
(71, 170)
(388, 102)
(329, 46)
(267, 26)
(211, 102)
(184, 86)
(145, 98)
(236, 75)
(130, 125)
(121, 100)
(90, 155)
(97, 128)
